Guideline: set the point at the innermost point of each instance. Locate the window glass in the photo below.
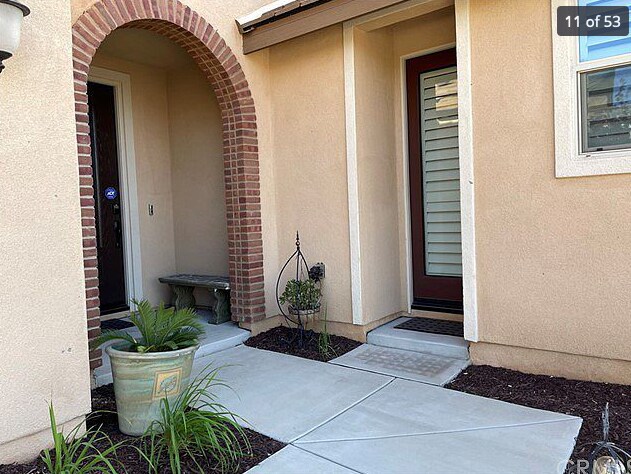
(441, 173)
(606, 109)
(599, 47)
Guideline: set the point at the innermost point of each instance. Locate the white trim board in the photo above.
(467, 188)
(127, 175)
(352, 173)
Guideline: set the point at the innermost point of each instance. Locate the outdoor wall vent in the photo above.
(11, 15)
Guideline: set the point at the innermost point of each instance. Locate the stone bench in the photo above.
(182, 286)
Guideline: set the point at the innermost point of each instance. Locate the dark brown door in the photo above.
(434, 181)
(109, 230)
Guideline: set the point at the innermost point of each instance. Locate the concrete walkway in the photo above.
(340, 420)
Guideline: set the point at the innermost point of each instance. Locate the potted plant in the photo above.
(153, 366)
(302, 297)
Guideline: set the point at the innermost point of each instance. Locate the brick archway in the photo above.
(172, 19)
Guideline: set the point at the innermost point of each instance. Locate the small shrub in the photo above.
(74, 454)
(301, 294)
(161, 329)
(196, 426)
(325, 347)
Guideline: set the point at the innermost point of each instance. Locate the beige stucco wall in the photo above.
(310, 158)
(377, 174)
(553, 265)
(43, 335)
(200, 226)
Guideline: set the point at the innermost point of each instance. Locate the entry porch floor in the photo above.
(343, 420)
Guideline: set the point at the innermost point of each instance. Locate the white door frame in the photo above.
(465, 146)
(405, 172)
(127, 176)
(467, 194)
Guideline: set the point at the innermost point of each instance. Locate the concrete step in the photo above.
(434, 344)
(402, 364)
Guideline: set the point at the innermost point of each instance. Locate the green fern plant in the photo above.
(161, 329)
(197, 427)
(76, 454)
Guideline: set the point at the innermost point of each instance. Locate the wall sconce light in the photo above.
(11, 14)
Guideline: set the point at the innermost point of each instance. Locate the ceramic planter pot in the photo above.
(141, 381)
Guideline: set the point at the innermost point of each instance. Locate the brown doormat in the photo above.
(433, 326)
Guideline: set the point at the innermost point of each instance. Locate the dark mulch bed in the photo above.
(572, 397)
(103, 401)
(285, 340)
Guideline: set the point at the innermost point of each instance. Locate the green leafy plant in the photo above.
(196, 426)
(301, 294)
(325, 347)
(161, 329)
(76, 454)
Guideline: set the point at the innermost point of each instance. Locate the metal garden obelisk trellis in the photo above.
(297, 264)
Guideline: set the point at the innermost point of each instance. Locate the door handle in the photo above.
(119, 233)
(118, 229)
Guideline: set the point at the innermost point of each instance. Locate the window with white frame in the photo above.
(592, 100)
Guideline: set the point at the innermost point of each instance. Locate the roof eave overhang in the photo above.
(286, 19)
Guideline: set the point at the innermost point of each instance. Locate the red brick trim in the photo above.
(187, 28)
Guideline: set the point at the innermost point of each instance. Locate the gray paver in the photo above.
(410, 408)
(404, 364)
(283, 396)
(291, 460)
(374, 424)
(359, 421)
(540, 448)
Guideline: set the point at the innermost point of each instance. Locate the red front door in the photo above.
(432, 104)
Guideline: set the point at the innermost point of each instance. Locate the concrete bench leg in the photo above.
(183, 297)
(221, 308)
